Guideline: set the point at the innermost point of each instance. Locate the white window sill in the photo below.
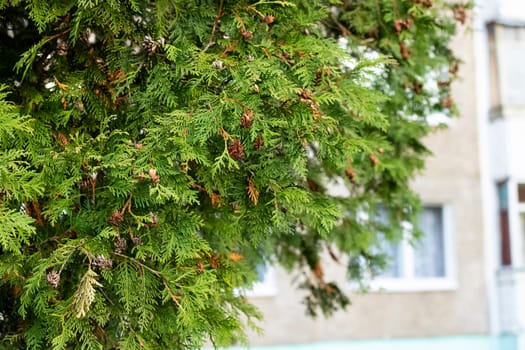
(405, 285)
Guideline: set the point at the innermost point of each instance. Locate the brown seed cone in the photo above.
(236, 150)
(313, 186)
(259, 143)
(218, 65)
(120, 245)
(153, 175)
(373, 33)
(85, 184)
(460, 14)
(454, 68)
(63, 139)
(350, 174)
(306, 94)
(398, 26)
(417, 87)
(200, 267)
(405, 51)
(247, 119)
(215, 200)
(268, 19)
(116, 218)
(424, 3)
(149, 45)
(373, 159)
(443, 84)
(448, 102)
(136, 240)
(102, 263)
(247, 35)
(53, 278)
(62, 47)
(154, 220)
(214, 261)
(152, 172)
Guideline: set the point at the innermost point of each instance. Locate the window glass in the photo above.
(393, 253)
(503, 202)
(261, 272)
(429, 254)
(424, 259)
(509, 60)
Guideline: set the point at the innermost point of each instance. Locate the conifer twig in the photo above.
(243, 27)
(153, 271)
(57, 35)
(173, 296)
(127, 205)
(214, 28)
(255, 10)
(344, 31)
(237, 102)
(69, 256)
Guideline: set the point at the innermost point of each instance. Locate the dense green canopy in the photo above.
(154, 153)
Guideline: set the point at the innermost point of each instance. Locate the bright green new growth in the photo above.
(154, 153)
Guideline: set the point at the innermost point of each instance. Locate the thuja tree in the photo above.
(154, 153)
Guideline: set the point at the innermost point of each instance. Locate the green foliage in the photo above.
(154, 153)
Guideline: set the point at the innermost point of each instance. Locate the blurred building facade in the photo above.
(504, 118)
(463, 285)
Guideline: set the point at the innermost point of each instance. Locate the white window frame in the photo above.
(411, 283)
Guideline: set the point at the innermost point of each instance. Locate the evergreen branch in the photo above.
(29, 56)
(108, 103)
(69, 256)
(265, 2)
(173, 296)
(85, 294)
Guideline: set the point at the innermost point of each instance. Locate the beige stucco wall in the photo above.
(452, 177)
